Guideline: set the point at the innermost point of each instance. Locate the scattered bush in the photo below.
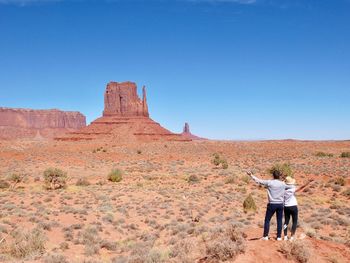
(296, 250)
(345, 155)
(230, 179)
(283, 169)
(340, 181)
(346, 192)
(218, 160)
(192, 179)
(55, 178)
(115, 176)
(249, 204)
(55, 258)
(4, 184)
(82, 182)
(323, 154)
(26, 244)
(225, 243)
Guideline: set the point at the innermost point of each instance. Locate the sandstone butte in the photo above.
(28, 123)
(187, 133)
(125, 119)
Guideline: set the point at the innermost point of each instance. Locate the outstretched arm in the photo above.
(301, 188)
(257, 180)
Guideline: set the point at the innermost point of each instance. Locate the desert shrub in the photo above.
(25, 244)
(55, 178)
(192, 179)
(249, 204)
(82, 182)
(297, 250)
(115, 176)
(245, 179)
(224, 164)
(283, 169)
(225, 243)
(323, 154)
(139, 151)
(345, 155)
(230, 179)
(55, 258)
(340, 181)
(346, 192)
(4, 184)
(217, 160)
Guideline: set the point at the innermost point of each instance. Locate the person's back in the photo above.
(276, 190)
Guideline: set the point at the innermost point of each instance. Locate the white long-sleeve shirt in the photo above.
(289, 196)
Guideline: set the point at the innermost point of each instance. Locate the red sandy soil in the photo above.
(172, 201)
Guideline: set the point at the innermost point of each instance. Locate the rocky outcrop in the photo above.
(125, 119)
(187, 133)
(18, 123)
(121, 99)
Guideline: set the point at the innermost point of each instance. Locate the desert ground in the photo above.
(173, 203)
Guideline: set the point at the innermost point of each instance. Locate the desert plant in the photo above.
(218, 160)
(249, 204)
(192, 179)
(55, 178)
(225, 243)
(55, 258)
(25, 244)
(115, 176)
(283, 169)
(346, 192)
(345, 155)
(323, 154)
(230, 179)
(139, 151)
(82, 182)
(297, 250)
(4, 184)
(340, 181)
(15, 179)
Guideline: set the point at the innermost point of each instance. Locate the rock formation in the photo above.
(28, 123)
(187, 133)
(125, 119)
(121, 100)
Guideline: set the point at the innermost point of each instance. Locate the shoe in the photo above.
(292, 238)
(264, 238)
(279, 239)
(285, 238)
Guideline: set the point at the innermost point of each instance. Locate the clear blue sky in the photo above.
(233, 69)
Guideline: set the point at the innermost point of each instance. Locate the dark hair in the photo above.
(276, 174)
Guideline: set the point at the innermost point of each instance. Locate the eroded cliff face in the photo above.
(121, 99)
(18, 123)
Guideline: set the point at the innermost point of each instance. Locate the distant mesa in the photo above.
(28, 123)
(125, 119)
(187, 133)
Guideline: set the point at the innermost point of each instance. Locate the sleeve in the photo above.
(260, 181)
(289, 186)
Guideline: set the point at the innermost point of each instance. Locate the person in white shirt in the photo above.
(291, 206)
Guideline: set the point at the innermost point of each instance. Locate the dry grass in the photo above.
(296, 250)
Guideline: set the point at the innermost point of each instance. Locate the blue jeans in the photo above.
(270, 210)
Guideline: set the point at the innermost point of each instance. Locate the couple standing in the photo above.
(282, 198)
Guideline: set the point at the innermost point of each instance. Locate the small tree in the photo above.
(115, 176)
(283, 169)
(218, 160)
(345, 155)
(55, 178)
(249, 204)
(16, 178)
